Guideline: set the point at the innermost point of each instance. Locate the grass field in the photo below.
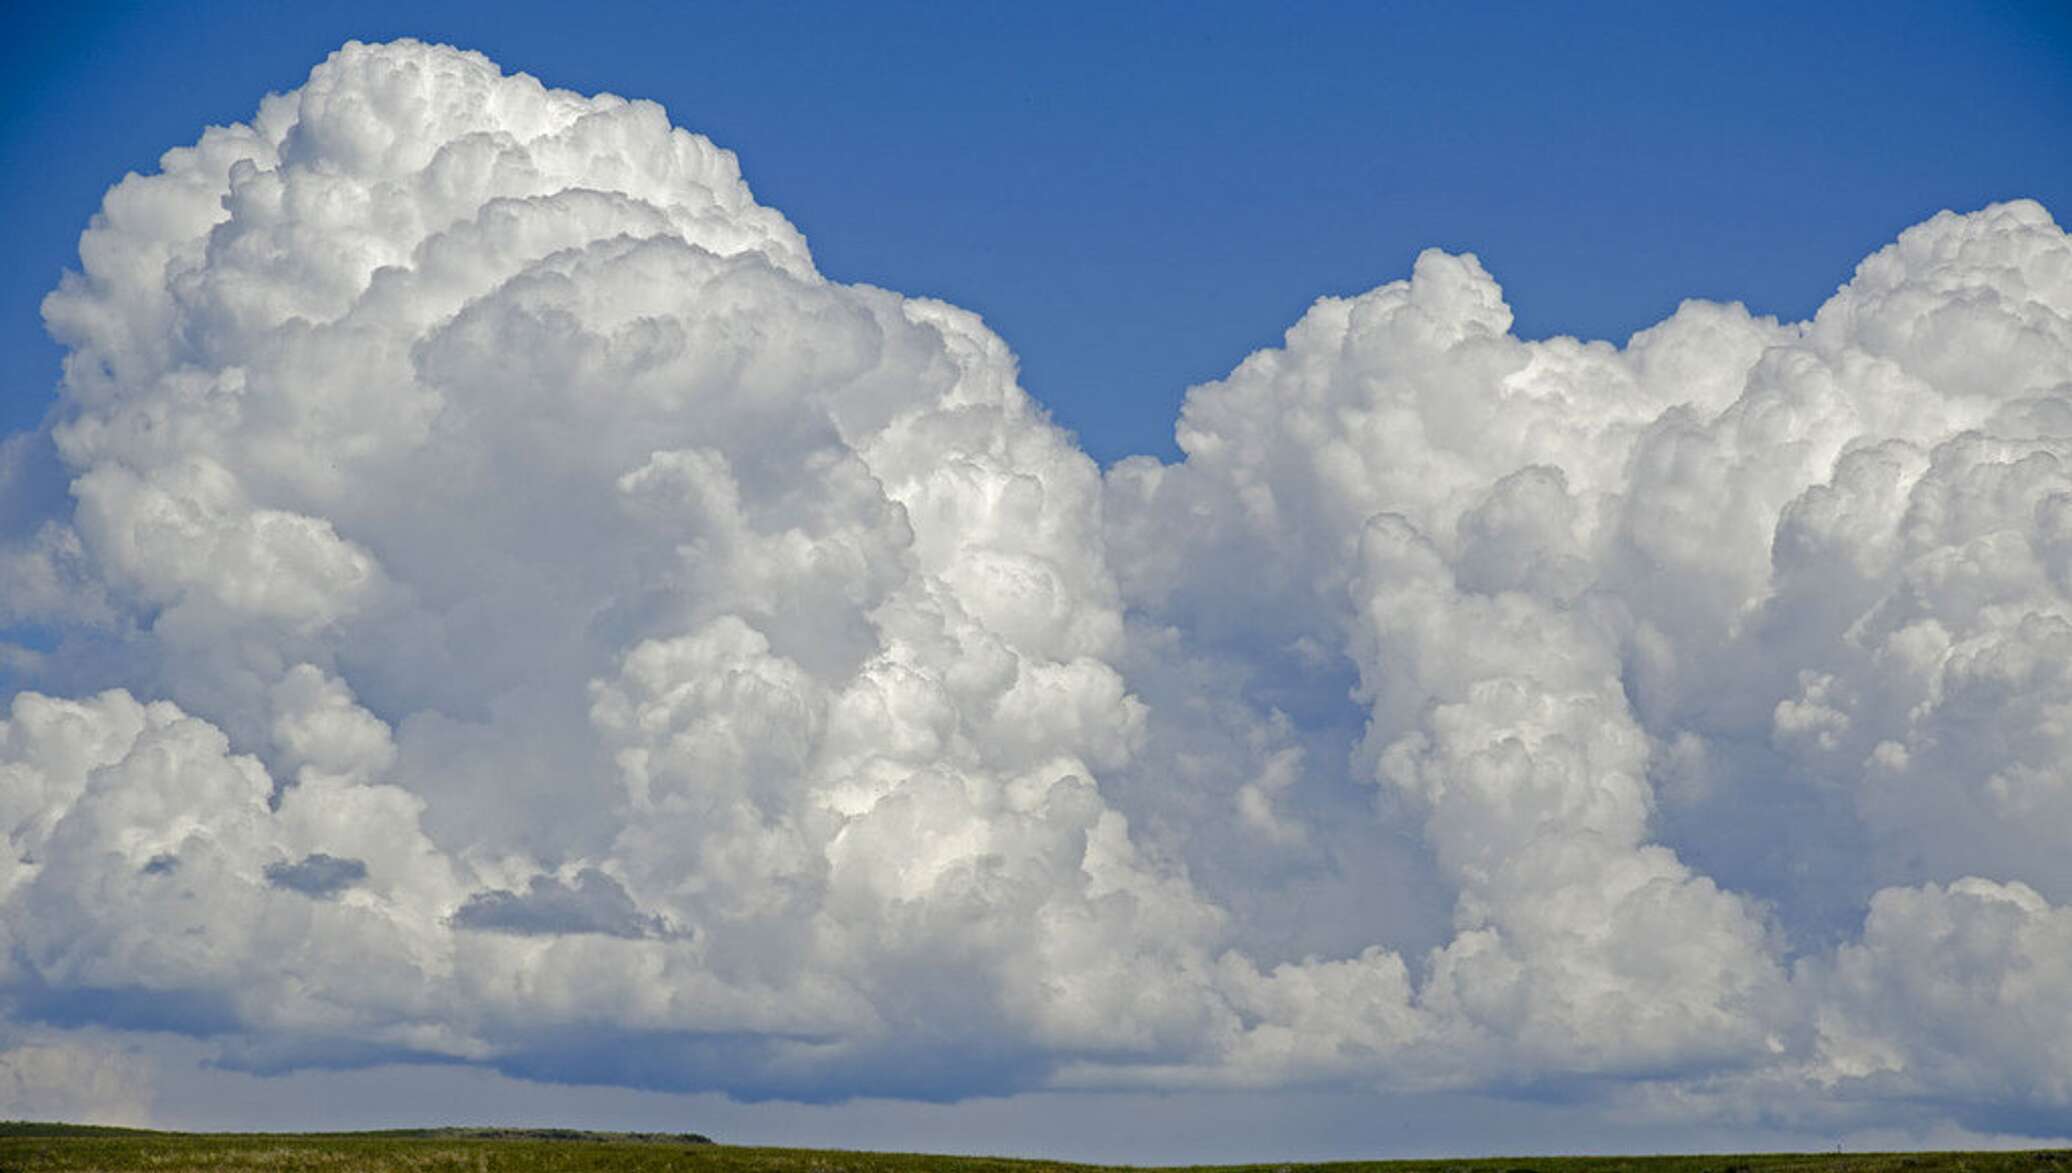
(71, 1148)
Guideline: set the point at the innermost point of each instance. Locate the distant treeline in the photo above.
(39, 1128)
(50, 1128)
(540, 1134)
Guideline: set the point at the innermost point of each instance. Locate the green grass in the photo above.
(12, 1128)
(78, 1148)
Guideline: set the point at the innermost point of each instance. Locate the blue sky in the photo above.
(1137, 195)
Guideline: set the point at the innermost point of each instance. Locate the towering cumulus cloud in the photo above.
(512, 610)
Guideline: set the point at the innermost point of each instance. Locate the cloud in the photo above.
(594, 903)
(57, 1079)
(513, 610)
(1567, 574)
(315, 875)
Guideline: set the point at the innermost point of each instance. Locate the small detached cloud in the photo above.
(593, 903)
(317, 875)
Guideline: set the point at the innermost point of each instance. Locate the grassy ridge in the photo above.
(560, 1134)
(79, 1148)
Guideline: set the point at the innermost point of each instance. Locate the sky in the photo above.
(1178, 586)
(1140, 195)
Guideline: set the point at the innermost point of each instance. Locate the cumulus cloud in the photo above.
(316, 875)
(57, 1079)
(594, 903)
(511, 609)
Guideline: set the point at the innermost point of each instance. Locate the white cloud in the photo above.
(519, 613)
(1743, 562)
(57, 1079)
